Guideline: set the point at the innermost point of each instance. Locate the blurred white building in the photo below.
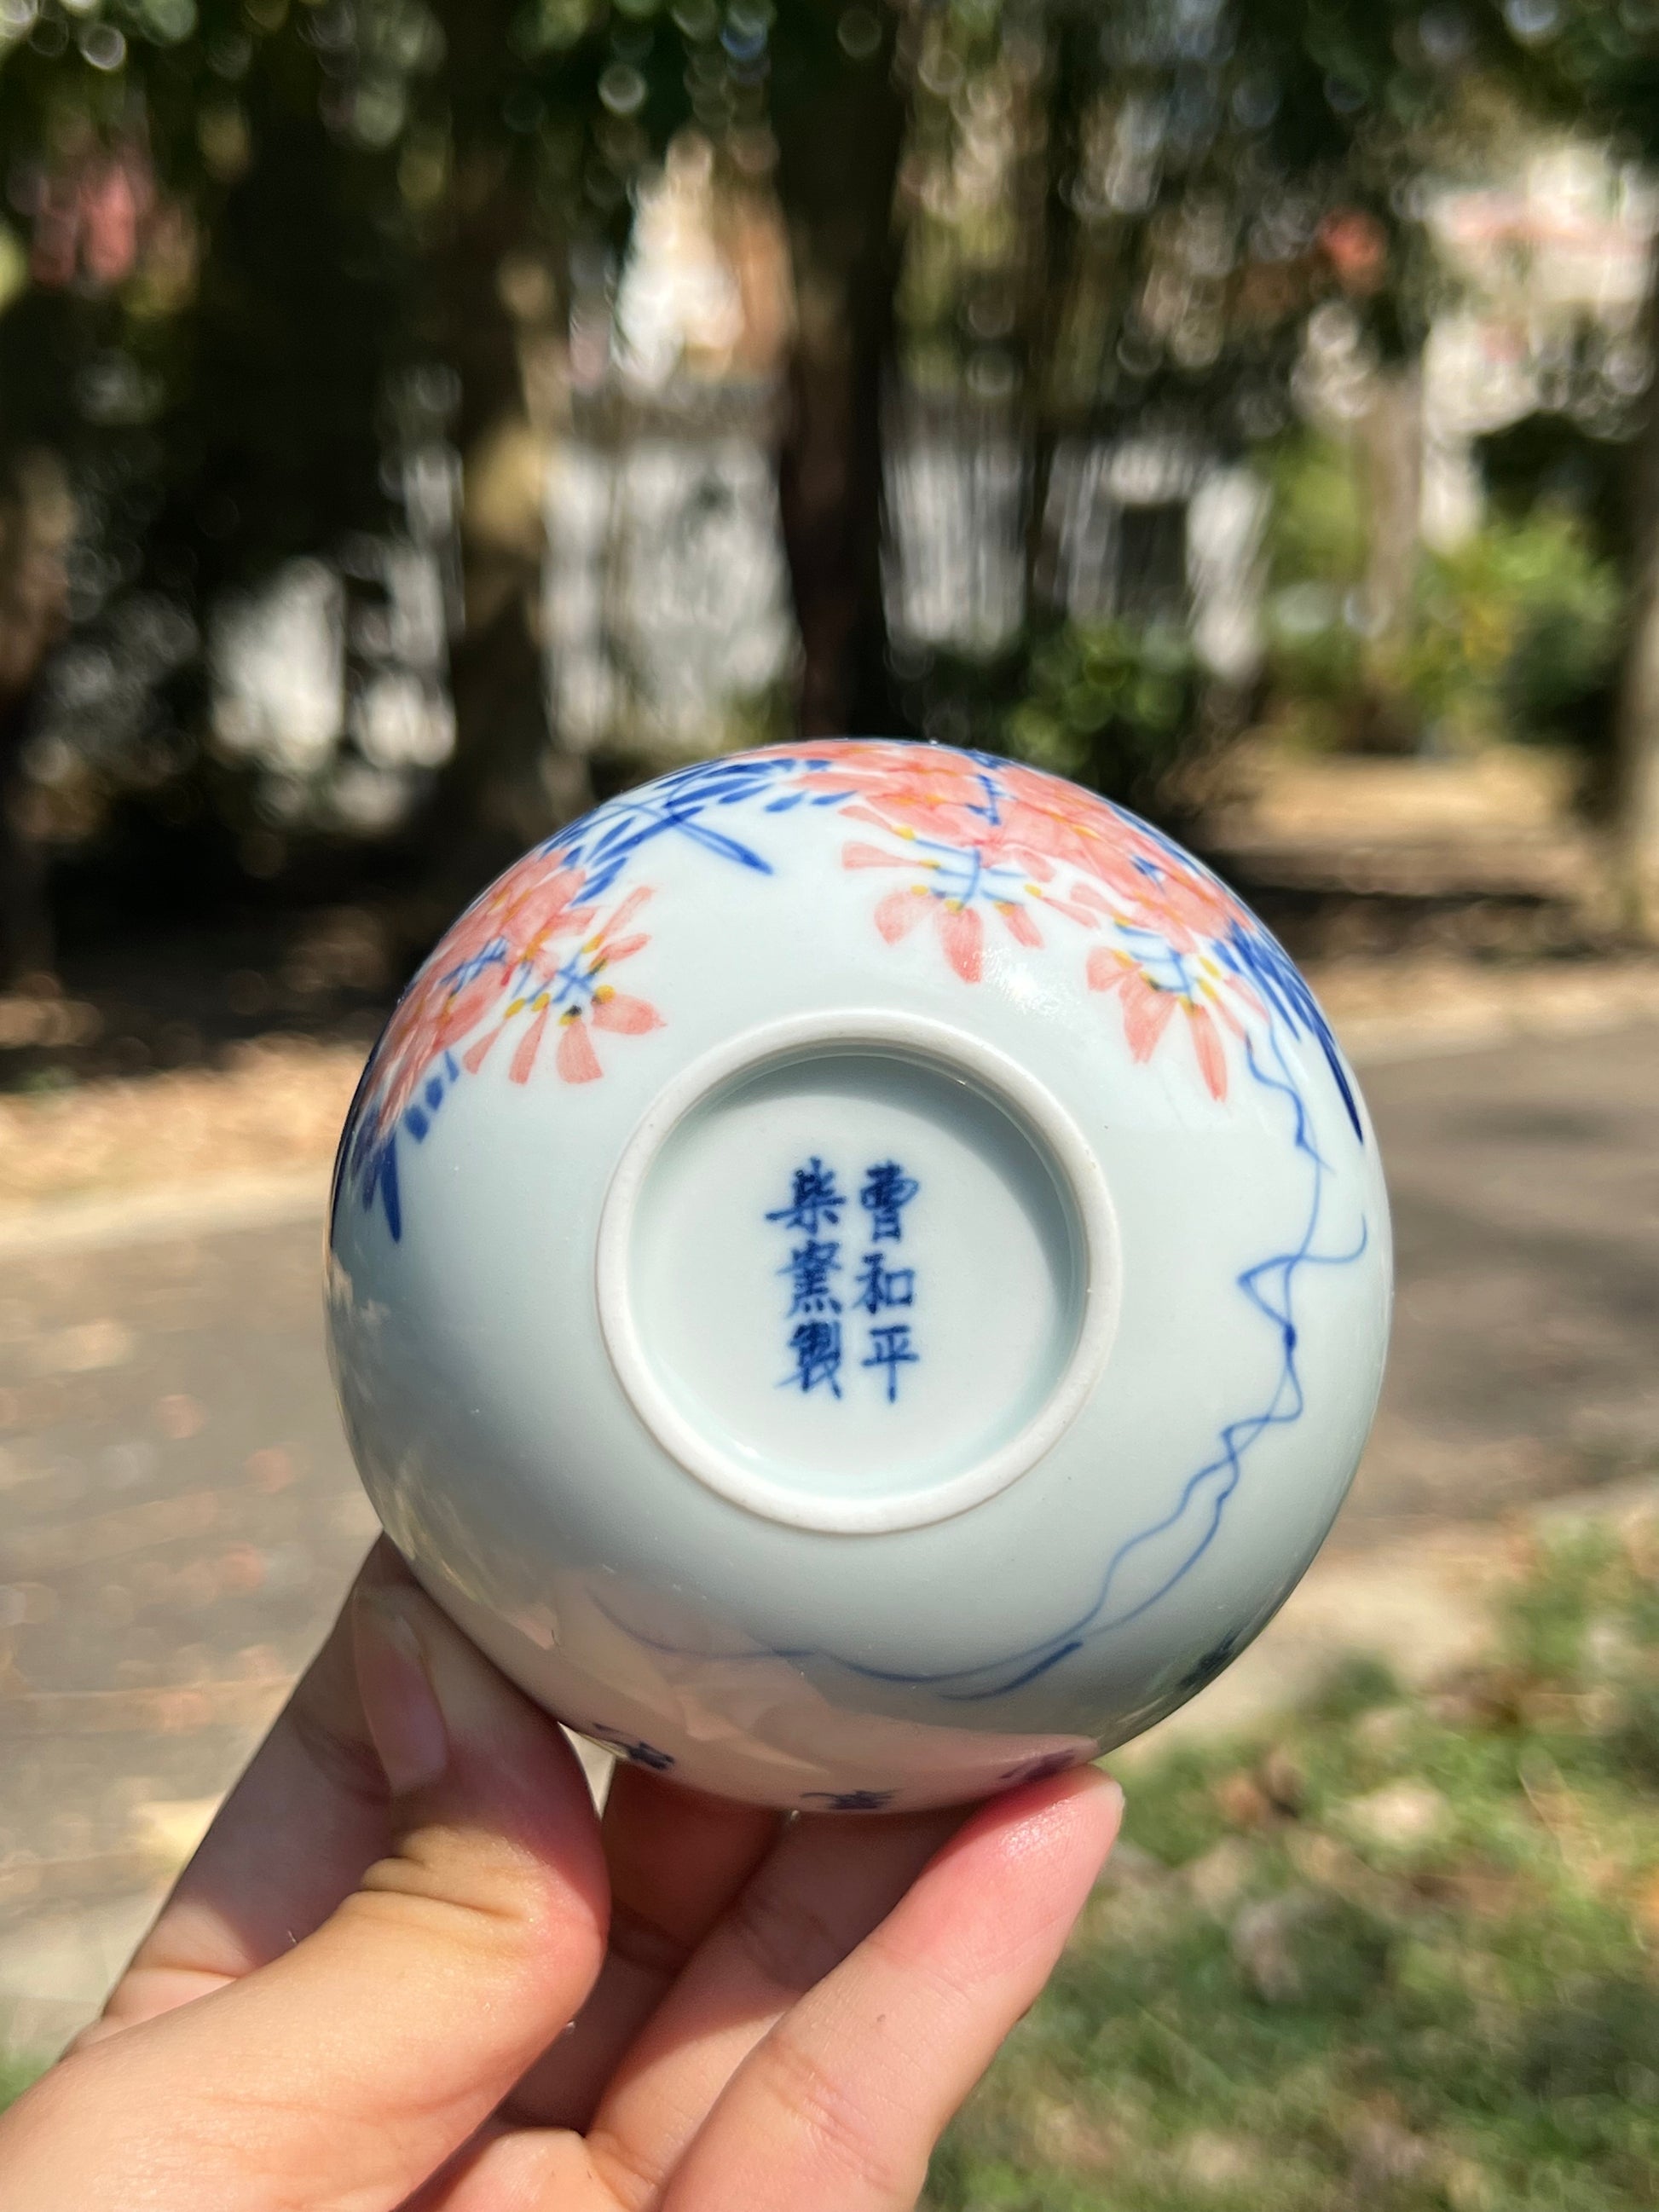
(1551, 265)
(667, 615)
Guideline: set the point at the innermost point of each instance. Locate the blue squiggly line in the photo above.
(1257, 955)
(1284, 1408)
(1225, 1470)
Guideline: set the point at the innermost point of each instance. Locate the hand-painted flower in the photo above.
(501, 936)
(570, 991)
(1149, 1007)
(970, 837)
(973, 832)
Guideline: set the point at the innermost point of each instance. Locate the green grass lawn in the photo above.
(1403, 1957)
(15, 2074)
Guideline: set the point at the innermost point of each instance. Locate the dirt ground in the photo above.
(272, 1105)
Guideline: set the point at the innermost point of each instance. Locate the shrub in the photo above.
(1518, 632)
(1115, 707)
(1514, 634)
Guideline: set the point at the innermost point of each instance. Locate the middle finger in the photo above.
(826, 1883)
(676, 1859)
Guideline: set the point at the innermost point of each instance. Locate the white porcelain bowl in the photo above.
(858, 1274)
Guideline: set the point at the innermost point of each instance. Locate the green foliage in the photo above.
(1514, 635)
(245, 236)
(1554, 461)
(1114, 707)
(1400, 1958)
(1547, 1624)
(1317, 544)
(1318, 529)
(1518, 633)
(15, 2074)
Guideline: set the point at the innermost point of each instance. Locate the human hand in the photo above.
(409, 1967)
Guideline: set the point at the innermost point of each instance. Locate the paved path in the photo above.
(1525, 1182)
(178, 1518)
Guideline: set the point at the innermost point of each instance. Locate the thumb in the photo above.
(347, 2070)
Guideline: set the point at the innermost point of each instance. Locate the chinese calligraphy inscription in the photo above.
(814, 1207)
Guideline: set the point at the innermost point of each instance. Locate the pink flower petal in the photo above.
(1019, 924)
(1074, 910)
(615, 1010)
(626, 912)
(1105, 971)
(962, 935)
(1212, 1053)
(898, 913)
(524, 1060)
(1146, 1014)
(871, 856)
(576, 1060)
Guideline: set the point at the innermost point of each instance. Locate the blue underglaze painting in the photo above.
(968, 842)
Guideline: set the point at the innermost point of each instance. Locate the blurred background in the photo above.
(418, 421)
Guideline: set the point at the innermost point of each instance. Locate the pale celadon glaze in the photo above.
(858, 1274)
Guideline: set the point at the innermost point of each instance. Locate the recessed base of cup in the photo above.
(857, 1272)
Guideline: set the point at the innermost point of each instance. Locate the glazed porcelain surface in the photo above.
(858, 1274)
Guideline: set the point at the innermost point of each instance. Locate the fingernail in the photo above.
(1105, 1793)
(399, 1704)
(1111, 1790)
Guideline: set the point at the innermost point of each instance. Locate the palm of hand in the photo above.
(410, 1967)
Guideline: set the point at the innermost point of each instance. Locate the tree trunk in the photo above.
(36, 519)
(1390, 439)
(1051, 267)
(1636, 725)
(840, 129)
(27, 946)
(510, 782)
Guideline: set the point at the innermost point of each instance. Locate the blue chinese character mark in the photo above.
(850, 1801)
(813, 1200)
(631, 1748)
(887, 1191)
(890, 1348)
(811, 1266)
(880, 1286)
(816, 1347)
